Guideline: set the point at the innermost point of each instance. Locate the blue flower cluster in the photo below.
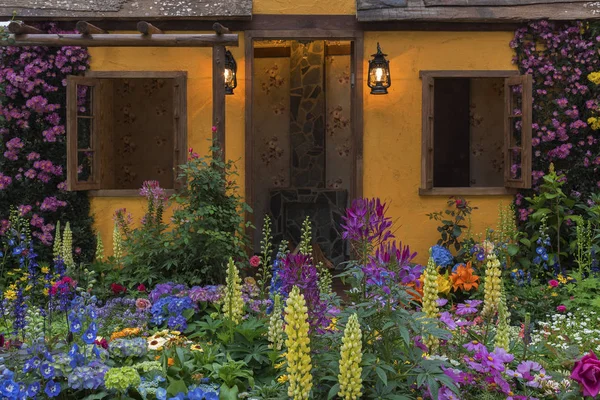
(90, 376)
(441, 256)
(276, 283)
(202, 392)
(12, 390)
(125, 348)
(149, 387)
(171, 309)
(521, 277)
(80, 311)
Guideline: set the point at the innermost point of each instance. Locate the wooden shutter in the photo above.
(427, 133)
(82, 133)
(179, 127)
(517, 131)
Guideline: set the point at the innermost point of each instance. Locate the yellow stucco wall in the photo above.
(330, 7)
(392, 123)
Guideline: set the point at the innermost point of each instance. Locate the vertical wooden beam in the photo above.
(219, 99)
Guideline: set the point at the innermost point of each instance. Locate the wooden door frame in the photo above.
(356, 118)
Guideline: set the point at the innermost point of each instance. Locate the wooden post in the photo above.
(19, 28)
(218, 72)
(85, 28)
(147, 28)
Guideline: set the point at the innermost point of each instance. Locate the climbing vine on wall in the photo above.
(560, 57)
(33, 142)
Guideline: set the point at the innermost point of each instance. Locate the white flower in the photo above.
(156, 343)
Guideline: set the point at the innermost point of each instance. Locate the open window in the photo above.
(476, 132)
(124, 128)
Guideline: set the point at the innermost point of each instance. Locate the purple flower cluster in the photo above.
(32, 134)
(121, 309)
(560, 58)
(298, 270)
(206, 294)
(365, 220)
(167, 289)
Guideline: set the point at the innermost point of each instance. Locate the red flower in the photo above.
(561, 308)
(118, 289)
(553, 283)
(141, 287)
(255, 261)
(102, 343)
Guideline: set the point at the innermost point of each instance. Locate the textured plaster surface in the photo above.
(304, 7)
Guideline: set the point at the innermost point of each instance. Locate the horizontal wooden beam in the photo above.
(146, 28)
(85, 28)
(20, 28)
(123, 40)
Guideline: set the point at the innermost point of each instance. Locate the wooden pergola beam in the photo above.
(220, 29)
(20, 28)
(122, 40)
(85, 28)
(146, 28)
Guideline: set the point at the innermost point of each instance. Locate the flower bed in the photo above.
(440, 331)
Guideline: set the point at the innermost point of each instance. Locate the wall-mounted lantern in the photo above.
(230, 73)
(379, 73)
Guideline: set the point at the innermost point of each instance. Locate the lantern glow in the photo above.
(379, 79)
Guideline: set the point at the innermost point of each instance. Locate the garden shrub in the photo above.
(207, 228)
(32, 143)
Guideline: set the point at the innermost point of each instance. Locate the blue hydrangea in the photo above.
(88, 377)
(170, 308)
(441, 256)
(124, 348)
(178, 323)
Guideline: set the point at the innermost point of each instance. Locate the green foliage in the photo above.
(207, 228)
(553, 205)
(454, 222)
(209, 225)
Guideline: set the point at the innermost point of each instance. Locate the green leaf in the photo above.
(333, 391)
(381, 374)
(176, 386)
(405, 335)
(512, 249)
(228, 393)
(96, 396)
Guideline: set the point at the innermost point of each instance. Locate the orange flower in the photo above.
(464, 279)
(170, 362)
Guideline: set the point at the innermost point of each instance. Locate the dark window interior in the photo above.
(468, 132)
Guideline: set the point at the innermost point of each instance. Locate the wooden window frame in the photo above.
(427, 136)
(96, 78)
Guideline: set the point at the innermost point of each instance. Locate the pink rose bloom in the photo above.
(553, 283)
(255, 261)
(561, 308)
(143, 304)
(587, 373)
